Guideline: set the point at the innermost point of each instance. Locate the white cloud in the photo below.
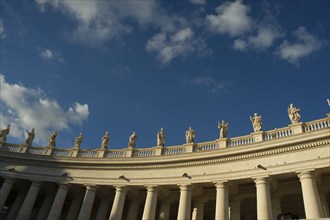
(26, 108)
(198, 2)
(180, 43)
(2, 30)
(240, 45)
(100, 21)
(232, 19)
(208, 82)
(263, 39)
(305, 44)
(49, 55)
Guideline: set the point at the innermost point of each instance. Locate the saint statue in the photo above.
(294, 114)
(256, 122)
(52, 139)
(190, 136)
(78, 140)
(223, 129)
(30, 137)
(3, 134)
(161, 137)
(132, 140)
(105, 141)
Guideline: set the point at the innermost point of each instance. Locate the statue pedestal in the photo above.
(222, 142)
(297, 128)
(189, 147)
(101, 152)
(158, 150)
(129, 152)
(258, 136)
(74, 152)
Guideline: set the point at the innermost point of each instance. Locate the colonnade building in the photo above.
(277, 174)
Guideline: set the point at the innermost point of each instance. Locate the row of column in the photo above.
(53, 204)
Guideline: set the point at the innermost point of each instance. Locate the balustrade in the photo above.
(171, 150)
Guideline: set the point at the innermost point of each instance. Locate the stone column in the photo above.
(222, 202)
(87, 206)
(164, 210)
(29, 201)
(17, 205)
(118, 203)
(185, 202)
(264, 206)
(55, 211)
(75, 207)
(276, 203)
(198, 210)
(324, 205)
(133, 209)
(103, 209)
(311, 197)
(5, 190)
(235, 208)
(150, 204)
(46, 205)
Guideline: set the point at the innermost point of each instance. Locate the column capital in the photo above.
(120, 188)
(63, 186)
(10, 180)
(92, 188)
(36, 183)
(221, 184)
(306, 174)
(261, 180)
(152, 188)
(185, 187)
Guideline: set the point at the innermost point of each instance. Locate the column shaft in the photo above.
(164, 210)
(311, 197)
(118, 203)
(150, 204)
(185, 202)
(235, 208)
(17, 205)
(56, 209)
(75, 207)
(87, 206)
(5, 190)
(29, 201)
(222, 202)
(198, 210)
(103, 209)
(133, 209)
(324, 206)
(276, 203)
(264, 206)
(46, 205)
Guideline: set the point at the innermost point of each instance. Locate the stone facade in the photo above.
(258, 176)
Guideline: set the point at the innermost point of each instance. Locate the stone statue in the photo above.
(328, 100)
(256, 122)
(105, 141)
(161, 137)
(52, 139)
(223, 129)
(30, 137)
(190, 136)
(294, 114)
(78, 140)
(132, 140)
(3, 134)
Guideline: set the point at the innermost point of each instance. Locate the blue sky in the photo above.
(124, 66)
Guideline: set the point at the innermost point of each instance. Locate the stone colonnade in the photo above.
(80, 208)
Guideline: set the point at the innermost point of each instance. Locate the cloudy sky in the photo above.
(123, 66)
